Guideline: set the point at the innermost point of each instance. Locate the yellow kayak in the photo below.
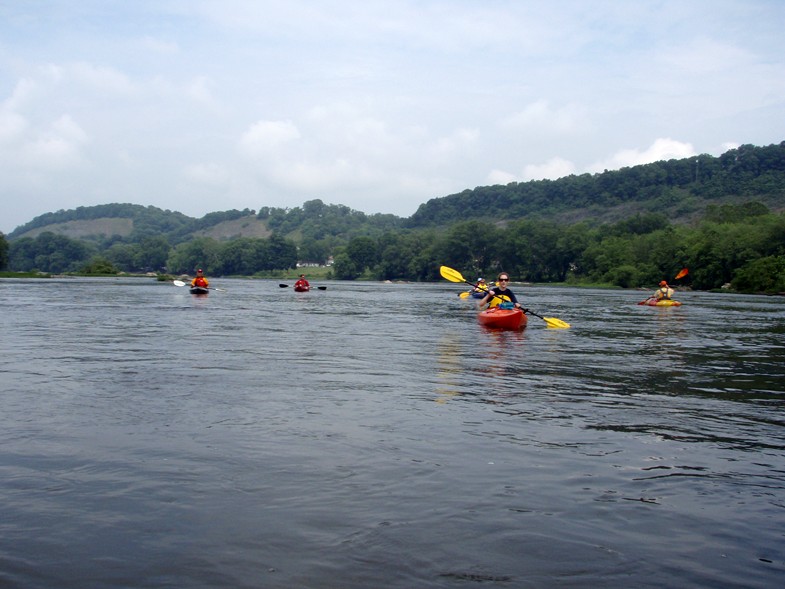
(660, 303)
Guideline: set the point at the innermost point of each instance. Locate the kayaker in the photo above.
(663, 293)
(481, 286)
(500, 291)
(302, 283)
(200, 280)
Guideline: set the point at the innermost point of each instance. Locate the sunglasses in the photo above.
(504, 279)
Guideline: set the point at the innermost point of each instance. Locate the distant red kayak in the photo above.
(300, 288)
(497, 318)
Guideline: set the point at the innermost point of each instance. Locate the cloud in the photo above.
(208, 173)
(159, 46)
(552, 169)
(55, 146)
(105, 79)
(540, 116)
(661, 149)
(379, 106)
(12, 126)
(263, 138)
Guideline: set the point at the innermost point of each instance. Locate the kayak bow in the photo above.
(497, 318)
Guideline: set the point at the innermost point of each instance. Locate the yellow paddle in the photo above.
(465, 295)
(455, 276)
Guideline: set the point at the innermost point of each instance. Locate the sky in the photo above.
(200, 106)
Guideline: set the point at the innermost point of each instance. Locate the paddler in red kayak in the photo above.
(200, 280)
(302, 283)
(500, 291)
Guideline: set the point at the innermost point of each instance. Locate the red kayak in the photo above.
(300, 288)
(497, 318)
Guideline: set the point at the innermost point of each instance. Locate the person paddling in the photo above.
(200, 280)
(663, 293)
(503, 294)
(302, 283)
(481, 286)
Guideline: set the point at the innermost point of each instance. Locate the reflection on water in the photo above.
(374, 435)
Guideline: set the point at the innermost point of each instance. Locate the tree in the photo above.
(362, 252)
(344, 268)
(48, 252)
(764, 275)
(99, 266)
(152, 253)
(3, 252)
(198, 253)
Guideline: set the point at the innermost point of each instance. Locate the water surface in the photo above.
(373, 435)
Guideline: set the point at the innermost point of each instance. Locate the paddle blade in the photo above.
(557, 323)
(450, 274)
(682, 273)
(178, 282)
(322, 287)
(464, 295)
(283, 285)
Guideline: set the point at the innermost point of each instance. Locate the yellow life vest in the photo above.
(497, 300)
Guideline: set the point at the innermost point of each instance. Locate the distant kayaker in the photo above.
(663, 293)
(200, 280)
(302, 283)
(503, 294)
(481, 286)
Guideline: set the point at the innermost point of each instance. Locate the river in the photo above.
(373, 435)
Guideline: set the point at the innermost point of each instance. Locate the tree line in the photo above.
(738, 244)
(677, 188)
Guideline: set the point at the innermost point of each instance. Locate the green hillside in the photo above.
(678, 189)
(723, 217)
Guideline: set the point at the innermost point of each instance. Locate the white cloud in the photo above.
(540, 115)
(661, 149)
(159, 45)
(501, 177)
(551, 170)
(264, 137)
(208, 173)
(455, 144)
(12, 126)
(107, 79)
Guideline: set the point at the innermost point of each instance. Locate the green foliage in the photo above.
(150, 220)
(49, 253)
(362, 252)
(344, 268)
(640, 225)
(3, 252)
(98, 266)
(764, 275)
(676, 189)
(187, 257)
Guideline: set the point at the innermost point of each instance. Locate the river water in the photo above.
(373, 435)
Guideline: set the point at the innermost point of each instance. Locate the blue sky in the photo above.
(202, 106)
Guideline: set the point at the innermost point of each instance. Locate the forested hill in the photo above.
(679, 189)
(126, 220)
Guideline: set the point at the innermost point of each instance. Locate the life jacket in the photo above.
(664, 293)
(200, 281)
(498, 300)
